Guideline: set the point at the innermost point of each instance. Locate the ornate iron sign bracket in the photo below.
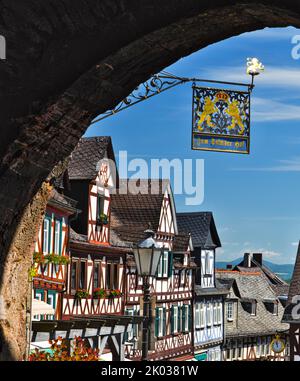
(157, 84)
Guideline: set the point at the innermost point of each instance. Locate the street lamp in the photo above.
(147, 255)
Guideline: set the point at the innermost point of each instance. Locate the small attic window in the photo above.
(272, 307)
(250, 307)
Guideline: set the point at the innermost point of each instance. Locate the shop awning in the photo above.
(41, 308)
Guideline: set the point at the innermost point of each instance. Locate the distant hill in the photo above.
(284, 271)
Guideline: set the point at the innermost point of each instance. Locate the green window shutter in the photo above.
(172, 319)
(125, 333)
(190, 318)
(156, 322)
(170, 269)
(164, 321)
(183, 318)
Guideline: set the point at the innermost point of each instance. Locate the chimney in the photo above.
(247, 260)
(229, 267)
(258, 257)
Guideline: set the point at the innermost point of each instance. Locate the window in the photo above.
(219, 313)
(162, 271)
(209, 315)
(208, 263)
(96, 278)
(174, 321)
(264, 347)
(78, 275)
(46, 235)
(73, 275)
(82, 275)
(133, 334)
(100, 206)
(230, 311)
(197, 316)
(202, 315)
(57, 236)
(185, 318)
(160, 322)
(182, 277)
(215, 314)
(112, 276)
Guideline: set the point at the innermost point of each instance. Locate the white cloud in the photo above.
(274, 76)
(267, 110)
(295, 243)
(291, 165)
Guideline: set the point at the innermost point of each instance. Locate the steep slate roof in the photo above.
(246, 287)
(61, 201)
(293, 291)
(132, 213)
(202, 227)
(87, 154)
(181, 242)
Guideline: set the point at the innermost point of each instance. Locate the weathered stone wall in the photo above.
(15, 290)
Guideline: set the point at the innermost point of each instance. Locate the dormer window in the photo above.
(272, 307)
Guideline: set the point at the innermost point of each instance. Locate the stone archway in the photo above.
(67, 61)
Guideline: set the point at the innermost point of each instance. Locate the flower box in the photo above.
(114, 294)
(99, 293)
(81, 294)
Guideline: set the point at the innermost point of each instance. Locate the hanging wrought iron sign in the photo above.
(221, 120)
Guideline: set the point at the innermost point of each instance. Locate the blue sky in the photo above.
(255, 198)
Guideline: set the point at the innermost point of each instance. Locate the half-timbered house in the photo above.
(208, 294)
(292, 311)
(152, 204)
(253, 316)
(51, 256)
(95, 283)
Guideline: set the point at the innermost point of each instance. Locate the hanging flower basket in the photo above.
(81, 294)
(99, 293)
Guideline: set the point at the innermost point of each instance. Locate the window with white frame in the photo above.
(229, 311)
(209, 314)
(57, 237)
(264, 347)
(215, 313)
(182, 277)
(46, 235)
(219, 312)
(197, 316)
(175, 319)
(202, 315)
(133, 334)
(186, 311)
(160, 322)
(162, 271)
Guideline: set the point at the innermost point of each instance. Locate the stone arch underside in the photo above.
(68, 61)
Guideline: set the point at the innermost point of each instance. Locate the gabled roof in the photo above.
(132, 213)
(247, 287)
(182, 242)
(202, 227)
(293, 291)
(87, 154)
